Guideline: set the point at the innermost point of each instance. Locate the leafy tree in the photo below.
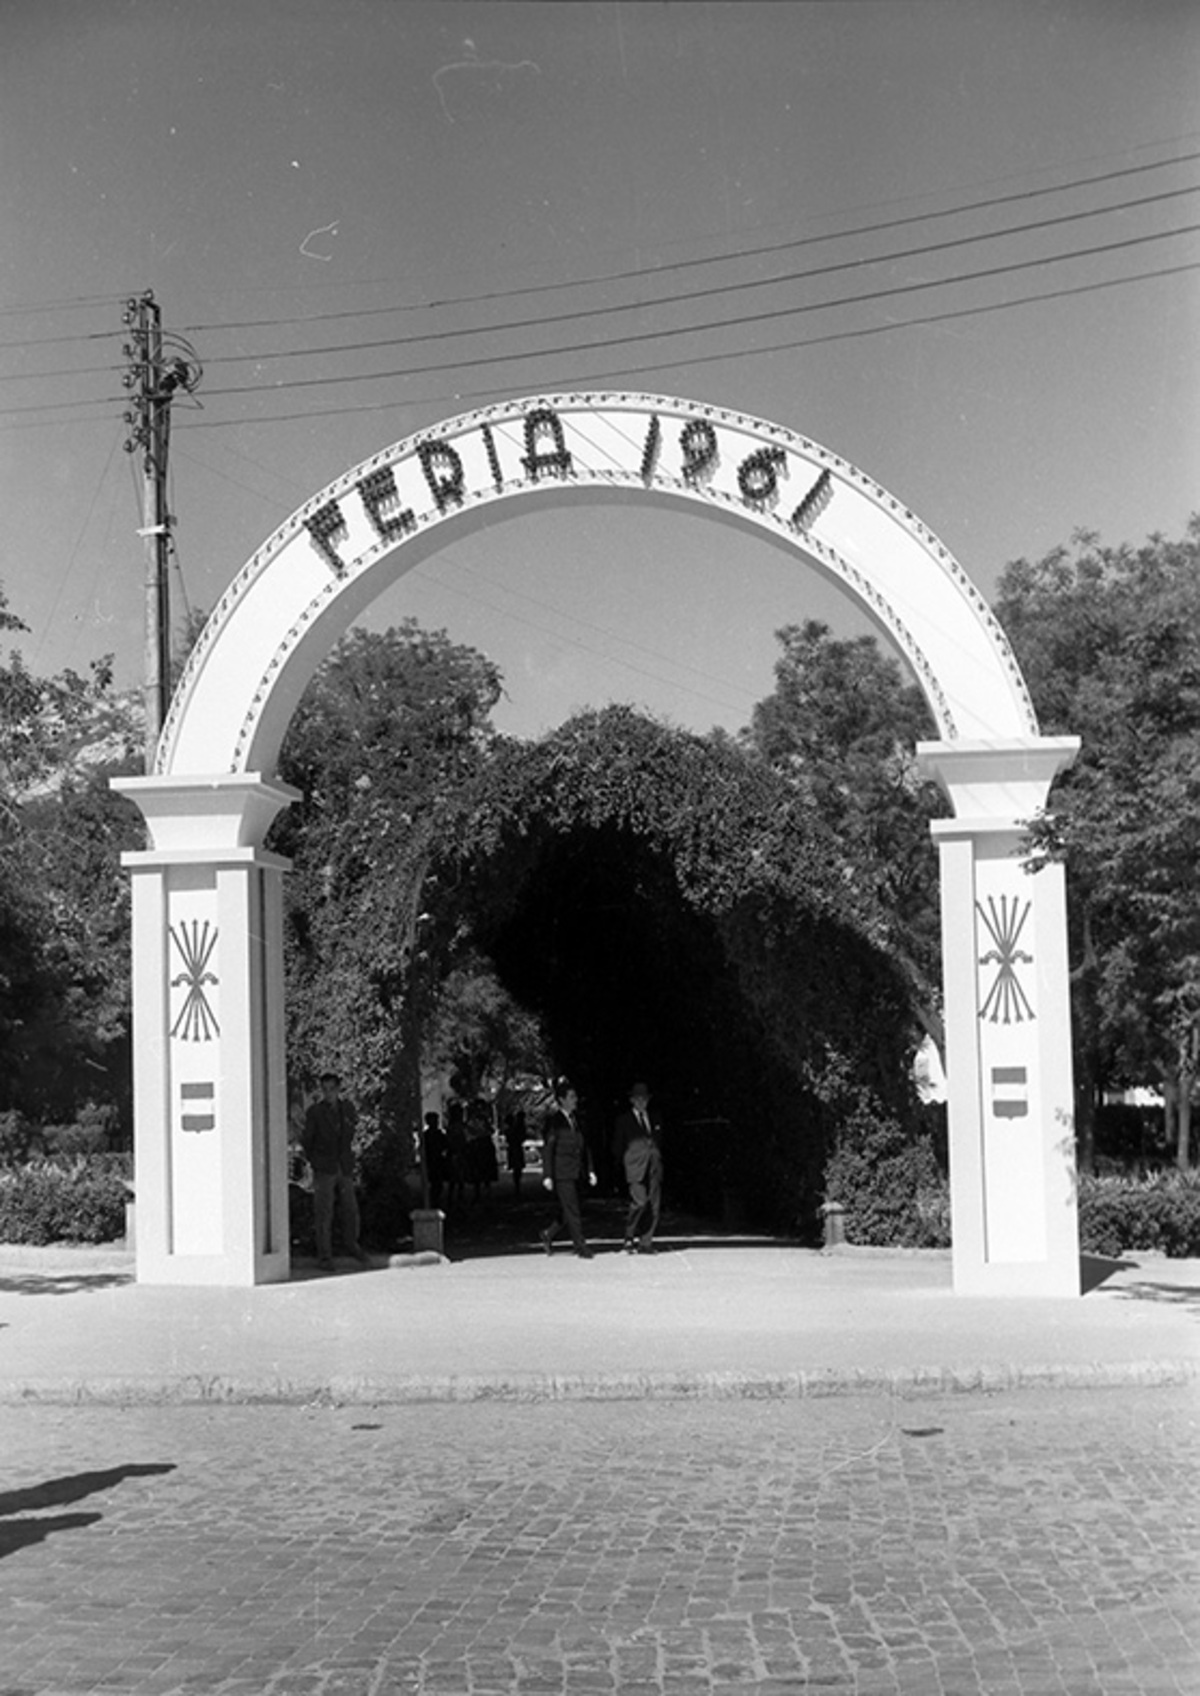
(1107, 640)
(392, 724)
(64, 949)
(840, 726)
(480, 1038)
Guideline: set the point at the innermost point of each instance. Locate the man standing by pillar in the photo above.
(328, 1144)
(637, 1143)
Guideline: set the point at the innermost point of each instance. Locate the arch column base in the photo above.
(1008, 1026)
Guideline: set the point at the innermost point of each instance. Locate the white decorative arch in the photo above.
(209, 1085)
(341, 549)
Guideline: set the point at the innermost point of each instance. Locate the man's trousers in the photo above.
(327, 1186)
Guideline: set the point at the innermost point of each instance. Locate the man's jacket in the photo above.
(328, 1139)
(564, 1153)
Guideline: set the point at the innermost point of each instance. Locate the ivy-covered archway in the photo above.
(675, 912)
(210, 1105)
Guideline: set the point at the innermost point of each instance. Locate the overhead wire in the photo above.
(641, 306)
(647, 271)
(612, 372)
(643, 272)
(741, 322)
(923, 250)
(613, 369)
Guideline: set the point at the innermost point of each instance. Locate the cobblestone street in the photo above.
(1029, 1543)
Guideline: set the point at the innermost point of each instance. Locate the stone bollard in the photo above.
(427, 1230)
(835, 1227)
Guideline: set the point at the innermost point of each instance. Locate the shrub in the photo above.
(889, 1184)
(48, 1202)
(1120, 1215)
(20, 1139)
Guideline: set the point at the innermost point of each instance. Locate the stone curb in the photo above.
(911, 1382)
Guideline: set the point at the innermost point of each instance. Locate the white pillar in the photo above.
(210, 1094)
(1008, 1024)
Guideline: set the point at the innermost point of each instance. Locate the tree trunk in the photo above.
(1085, 1114)
(1189, 1055)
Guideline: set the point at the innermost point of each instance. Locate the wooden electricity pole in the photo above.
(154, 380)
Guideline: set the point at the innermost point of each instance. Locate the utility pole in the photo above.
(154, 376)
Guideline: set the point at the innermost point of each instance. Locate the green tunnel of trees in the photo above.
(665, 908)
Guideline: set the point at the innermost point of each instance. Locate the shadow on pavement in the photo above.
(34, 1283)
(504, 1227)
(1181, 1295)
(57, 1492)
(1096, 1269)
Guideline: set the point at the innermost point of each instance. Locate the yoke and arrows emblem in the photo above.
(196, 1021)
(1006, 1001)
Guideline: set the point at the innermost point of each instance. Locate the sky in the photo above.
(361, 217)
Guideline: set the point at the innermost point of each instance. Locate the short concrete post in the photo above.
(427, 1230)
(835, 1224)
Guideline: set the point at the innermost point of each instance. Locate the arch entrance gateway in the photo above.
(209, 1065)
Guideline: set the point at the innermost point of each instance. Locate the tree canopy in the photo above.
(840, 726)
(1106, 637)
(64, 900)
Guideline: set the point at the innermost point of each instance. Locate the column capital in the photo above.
(997, 785)
(209, 815)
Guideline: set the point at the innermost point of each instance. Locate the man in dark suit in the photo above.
(328, 1144)
(565, 1165)
(637, 1144)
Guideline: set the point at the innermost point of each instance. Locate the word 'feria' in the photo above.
(544, 443)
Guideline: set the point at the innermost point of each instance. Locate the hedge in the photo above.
(889, 1185)
(895, 1196)
(1127, 1215)
(82, 1201)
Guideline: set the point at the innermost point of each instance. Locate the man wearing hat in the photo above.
(637, 1144)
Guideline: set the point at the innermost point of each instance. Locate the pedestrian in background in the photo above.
(328, 1142)
(456, 1154)
(434, 1143)
(514, 1146)
(565, 1165)
(637, 1144)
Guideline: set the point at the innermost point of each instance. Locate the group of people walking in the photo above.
(567, 1167)
(464, 1154)
(460, 1157)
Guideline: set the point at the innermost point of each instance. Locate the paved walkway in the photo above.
(704, 1317)
(1024, 1543)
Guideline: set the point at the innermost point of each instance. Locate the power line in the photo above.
(641, 306)
(666, 334)
(922, 250)
(712, 259)
(741, 322)
(79, 302)
(579, 379)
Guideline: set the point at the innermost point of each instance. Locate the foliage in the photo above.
(46, 1201)
(1158, 1213)
(841, 726)
(888, 1181)
(64, 949)
(392, 724)
(1107, 640)
(674, 909)
(480, 1038)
